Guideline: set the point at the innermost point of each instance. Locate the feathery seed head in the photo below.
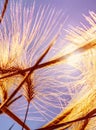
(25, 33)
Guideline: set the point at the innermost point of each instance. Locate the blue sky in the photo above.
(71, 8)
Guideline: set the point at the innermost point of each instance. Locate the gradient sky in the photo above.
(71, 8)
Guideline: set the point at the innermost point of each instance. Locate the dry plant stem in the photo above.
(14, 117)
(14, 100)
(4, 10)
(26, 115)
(25, 78)
(81, 49)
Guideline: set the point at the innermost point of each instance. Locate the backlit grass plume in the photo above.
(80, 113)
(35, 78)
(27, 34)
(30, 42)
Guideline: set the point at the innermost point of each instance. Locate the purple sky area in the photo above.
(72, 8)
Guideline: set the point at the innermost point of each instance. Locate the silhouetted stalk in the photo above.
(4, 10)
(26, 115)
(11, 127)
(14, 100)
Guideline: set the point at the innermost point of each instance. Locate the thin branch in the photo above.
(14, 100)
(26, 115)
(4, 10)
(14, 117)
(11, 127)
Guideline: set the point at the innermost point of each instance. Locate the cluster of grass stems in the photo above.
(26, 73)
